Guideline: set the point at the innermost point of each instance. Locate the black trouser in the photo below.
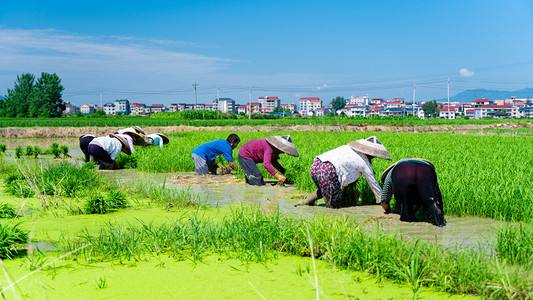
(84, 145)
(413, 185)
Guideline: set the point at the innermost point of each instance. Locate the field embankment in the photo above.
(515, 128)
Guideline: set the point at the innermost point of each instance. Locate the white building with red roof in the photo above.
(309, 105)
(269, 102)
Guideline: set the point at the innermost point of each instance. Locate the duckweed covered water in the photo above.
(162, 277)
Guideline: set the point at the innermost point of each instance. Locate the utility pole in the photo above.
(101, 98)
(448, 92)
(414, 98)
(250, 105)
(195, 102)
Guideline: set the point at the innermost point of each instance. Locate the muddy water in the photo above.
(224, 190)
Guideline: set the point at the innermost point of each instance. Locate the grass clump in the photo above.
(116, 199)
(170, 198)
(7, 211)
(19, 152)
(96, 204)
(3, 148)
(515, 243)
(11, 236)
(54, 150)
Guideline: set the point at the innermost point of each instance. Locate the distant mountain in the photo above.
(471, 95)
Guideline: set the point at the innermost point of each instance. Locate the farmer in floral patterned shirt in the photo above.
(338, 168)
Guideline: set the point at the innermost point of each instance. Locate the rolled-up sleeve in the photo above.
(386, 195)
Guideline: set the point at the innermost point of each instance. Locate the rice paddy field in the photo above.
(157, 230)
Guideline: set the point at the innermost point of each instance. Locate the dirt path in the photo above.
(14, 132)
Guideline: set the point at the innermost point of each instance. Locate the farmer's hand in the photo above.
(280, 177)
(232, 165)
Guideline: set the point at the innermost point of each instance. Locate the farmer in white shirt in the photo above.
(336, 169)
(106, 148)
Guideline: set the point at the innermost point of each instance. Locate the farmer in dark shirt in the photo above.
(413, 182)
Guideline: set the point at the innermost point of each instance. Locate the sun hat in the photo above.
(165, 139)
(384, 174)
(125, 147)
(370, 146)
(137, 138)
(139, 129)
(283, 143)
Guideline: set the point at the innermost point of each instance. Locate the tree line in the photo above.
(34, 98)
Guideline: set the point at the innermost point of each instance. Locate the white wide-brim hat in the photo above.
(370, 146)
(283, 143)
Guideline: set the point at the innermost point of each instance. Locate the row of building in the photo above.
(361, 106)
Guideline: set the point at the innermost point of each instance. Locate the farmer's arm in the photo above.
(386, 195)
(228, 156)
(268, 163)
(374, 186)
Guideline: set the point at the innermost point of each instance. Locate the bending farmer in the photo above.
(413, 181)
(340, 167)
(265, 151)
(204, 155)
(84, 145)
(106, 148)
(156, 139)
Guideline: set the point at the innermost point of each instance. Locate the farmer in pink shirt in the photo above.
(265, 151)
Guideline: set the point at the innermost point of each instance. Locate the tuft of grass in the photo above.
(116, 199)
(37, 151)
(29, 151)
(96, 204)
(7, 211)
(11, 236)
(19, 152)
(3, 148)
(54, 149)
(64, 149)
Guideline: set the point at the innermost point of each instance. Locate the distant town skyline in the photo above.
(289, 49)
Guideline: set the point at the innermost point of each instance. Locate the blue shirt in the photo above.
(210, 150)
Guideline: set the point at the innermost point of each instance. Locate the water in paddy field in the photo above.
(227, 189)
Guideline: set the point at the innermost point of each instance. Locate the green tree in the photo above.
(45, 100)
(430, 109)
(338, 103)
(17, 101)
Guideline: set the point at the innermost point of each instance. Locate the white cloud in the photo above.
(321, 87)
(466, 73)
(56, 52)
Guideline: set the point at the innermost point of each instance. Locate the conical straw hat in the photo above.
(283, 143)
(125, 147)
(371, 146)
(137, 138)
(384, 174)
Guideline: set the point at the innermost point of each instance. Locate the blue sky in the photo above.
(153, 51)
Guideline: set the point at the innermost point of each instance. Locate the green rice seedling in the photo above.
(171, 198)
(7, 211)
(11, 237)
(64, 150)
(3, 148)
(515, 243)
(19, 152)
(29, 151)
(96, 204)
(16, 185)
(126, 161)
(116, 199)
(54, 150)
(36, 151)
